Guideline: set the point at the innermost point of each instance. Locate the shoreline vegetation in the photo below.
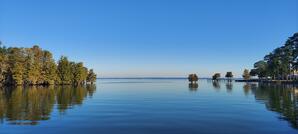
(279, 66)
(34, 66)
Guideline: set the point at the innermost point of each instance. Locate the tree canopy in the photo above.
(35, 66)
(216, 76)
(193, 78)
(246, 74)
(229, 75)
(280, 63)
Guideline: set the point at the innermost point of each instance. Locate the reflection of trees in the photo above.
(281, 99)
(246, 88)
(229, 86)
(2, 105)
(216, 84)
(28, 106)
(193, 86)
(91, 89)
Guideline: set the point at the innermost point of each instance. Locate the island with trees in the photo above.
(35, 66)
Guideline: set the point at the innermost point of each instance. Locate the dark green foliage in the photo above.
(246, 74)
(65, 71)
(3, 65)
(91, 78)
(280, 63)
(216, 76)
(193, 78)
(34, 66)
(79, 73)
(229, 75)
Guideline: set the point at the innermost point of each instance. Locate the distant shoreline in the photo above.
(270, 81)
(160, 78)
(143, 78)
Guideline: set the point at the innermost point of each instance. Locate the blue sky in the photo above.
(128, 38)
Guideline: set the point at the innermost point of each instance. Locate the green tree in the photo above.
(37, 64)
(64, 70)
(261, 68)
(91, 78)
(16, 68)
(281, 62)
(3, 64)
(229, 75)
(32, 71)
(246, 74)
(79, 73)
(34, 66)
(49, 68)
(193, 78)
(216, 76)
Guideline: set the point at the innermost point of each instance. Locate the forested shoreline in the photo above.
(281, 63)
(35, 66)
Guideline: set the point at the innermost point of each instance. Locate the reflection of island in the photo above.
(216, 85)
(229, 86)
(193, 86)
(33, 104)
(279, 98)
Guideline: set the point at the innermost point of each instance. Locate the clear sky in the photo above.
(127, 38)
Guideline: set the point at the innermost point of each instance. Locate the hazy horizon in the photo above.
(152, 38)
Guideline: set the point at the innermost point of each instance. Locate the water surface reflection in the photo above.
(149, 106)
(282, 99)
(30, 105)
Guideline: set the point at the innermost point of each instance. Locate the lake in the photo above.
(159, 106)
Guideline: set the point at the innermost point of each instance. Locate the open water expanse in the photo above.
(151, 106)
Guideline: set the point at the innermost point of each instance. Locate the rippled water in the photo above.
(140, 106)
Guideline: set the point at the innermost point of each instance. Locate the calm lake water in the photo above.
(159, 106)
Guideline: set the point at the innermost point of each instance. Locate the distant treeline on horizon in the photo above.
(34, 66)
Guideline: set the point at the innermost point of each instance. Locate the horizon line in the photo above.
(161, 77)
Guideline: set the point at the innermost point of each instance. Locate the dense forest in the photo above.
(35, 66)
(281, 64)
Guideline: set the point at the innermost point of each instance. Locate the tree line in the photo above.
(35, 66)
(281, 63)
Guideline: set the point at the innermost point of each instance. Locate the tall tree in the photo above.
(246, 74)
(49, 68)
(3, 65)
(91, 78)
(32, 71)
(79, 73)
(64, 70)
(16, 68)
(281, 62)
